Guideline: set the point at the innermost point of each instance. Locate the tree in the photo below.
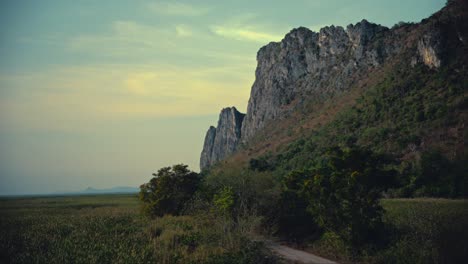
(294, 220)
(344, 191)
(169, 190)
(341, 192)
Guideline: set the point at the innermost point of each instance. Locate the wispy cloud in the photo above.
(129, 40)
(245, 27)
(183, 31)
(125, 37)
(245, 34)
(178, 9)
(75, 98)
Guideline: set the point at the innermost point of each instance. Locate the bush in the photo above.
(203, 239)
(169, 190)
(294, 221)
(437, 176)
(342, 194)
(241, 191)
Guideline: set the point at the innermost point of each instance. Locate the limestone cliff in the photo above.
(309, 67)
(223, 140)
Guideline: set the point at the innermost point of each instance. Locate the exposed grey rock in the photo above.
(308, 65)
(223, 140)
(205, 158)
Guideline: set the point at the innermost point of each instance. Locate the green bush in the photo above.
(340, 194)
(224, 201)
(344, 191)
(294, 221)
(169, 190)
(438, 176)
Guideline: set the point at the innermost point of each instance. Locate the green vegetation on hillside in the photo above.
(416, 116)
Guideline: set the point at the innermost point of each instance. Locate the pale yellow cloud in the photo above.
(80, 98)
(245, 34)
(138, 83)
(178, 9)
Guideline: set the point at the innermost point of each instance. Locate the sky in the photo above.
(104, 93)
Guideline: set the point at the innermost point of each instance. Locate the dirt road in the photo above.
(296, 256)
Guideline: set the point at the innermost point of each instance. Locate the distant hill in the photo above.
(120, 189)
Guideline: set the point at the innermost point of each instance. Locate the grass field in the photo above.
(426, 231)
(74, 229)
(110, 229)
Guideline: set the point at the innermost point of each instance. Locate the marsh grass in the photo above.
(426, 230)
(73, 229)
(110, 229)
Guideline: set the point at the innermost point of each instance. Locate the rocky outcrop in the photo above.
(428, 50)
(308, 65)
(205, 158)
(223, 140)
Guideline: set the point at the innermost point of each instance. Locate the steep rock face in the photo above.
(205, 158)
(223, 140)
(308, 65)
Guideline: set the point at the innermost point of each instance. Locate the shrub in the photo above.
(344, 191)
(341, 194)
(224, 201)
(294, 221)
(169, 190)
(440, 177)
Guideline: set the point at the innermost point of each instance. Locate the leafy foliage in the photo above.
(437, 176)
(344, 193)
(341, 193)
(224, 201)
(169, 190)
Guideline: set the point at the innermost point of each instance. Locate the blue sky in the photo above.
(103, 93)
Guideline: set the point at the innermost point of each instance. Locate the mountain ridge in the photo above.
(307, 67)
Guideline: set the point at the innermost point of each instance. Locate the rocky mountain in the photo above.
(223, 140)
(310, 67)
